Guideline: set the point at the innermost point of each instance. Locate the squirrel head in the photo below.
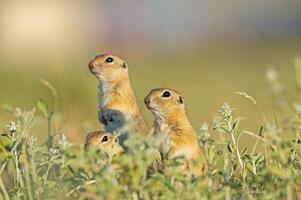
(105, 141)
(164, 101)
(108, 67)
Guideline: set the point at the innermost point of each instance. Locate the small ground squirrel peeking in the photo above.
(118, 109)
(179, 137)
(104, 141)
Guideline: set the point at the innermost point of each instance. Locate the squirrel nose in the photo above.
(146, 100)
(91, 65)
(86, 147)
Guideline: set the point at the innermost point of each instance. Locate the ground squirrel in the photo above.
(179, 137)
(118, 109)
(105, 141)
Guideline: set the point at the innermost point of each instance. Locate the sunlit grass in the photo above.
(266, 167)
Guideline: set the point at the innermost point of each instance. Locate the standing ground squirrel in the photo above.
(104, 141)
(118, 109)
(179, 137)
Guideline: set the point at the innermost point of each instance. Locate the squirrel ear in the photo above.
(181, 100)
(124, 65)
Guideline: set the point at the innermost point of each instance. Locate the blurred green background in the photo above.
(203, 49)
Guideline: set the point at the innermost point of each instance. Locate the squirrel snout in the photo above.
(146, 100)
(91, 65)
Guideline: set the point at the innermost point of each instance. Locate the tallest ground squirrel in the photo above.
(118, 108)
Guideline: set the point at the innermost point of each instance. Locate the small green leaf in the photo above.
(43, 107)
(260, 131)
(8, 108)
(229, 147)
(244, 151)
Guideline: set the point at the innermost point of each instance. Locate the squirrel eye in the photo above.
(104, 139)
(109, 59)
(166, 94)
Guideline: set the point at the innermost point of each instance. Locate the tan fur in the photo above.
(110, 146)
(180, 138)
(116, 93)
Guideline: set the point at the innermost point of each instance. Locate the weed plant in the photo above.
(58, 169)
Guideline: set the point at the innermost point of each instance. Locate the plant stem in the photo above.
(235, 147)
(3, 167)
(237, 151)
(49, 140)
(3, 189)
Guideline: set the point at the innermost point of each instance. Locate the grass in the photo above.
(55, 168)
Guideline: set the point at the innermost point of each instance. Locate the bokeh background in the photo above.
(205, 49)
